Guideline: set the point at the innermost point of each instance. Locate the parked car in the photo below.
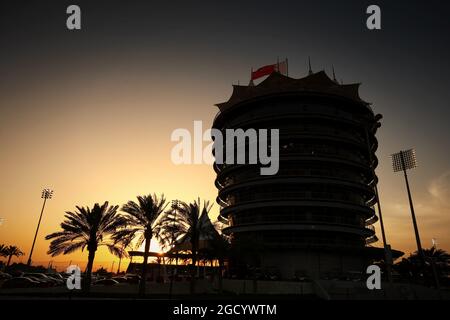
(58, 281)
(20, 282)
(5, 276)
(40, 277)
(40, 283)
(120, 279)
(106, 282)
(55, 276)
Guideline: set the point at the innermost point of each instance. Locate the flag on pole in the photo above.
(280, 67)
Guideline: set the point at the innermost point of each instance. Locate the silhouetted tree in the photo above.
(11, 251)
(439, 255)
(412, 268)
(142, 220)
(125, 243)
(88, 228)
(102, 272)
(191, 223)
(2, 250)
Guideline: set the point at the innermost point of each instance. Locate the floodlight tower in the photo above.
(46, 194)
(402, 161)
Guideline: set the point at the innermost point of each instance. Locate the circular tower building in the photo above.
(314, 217)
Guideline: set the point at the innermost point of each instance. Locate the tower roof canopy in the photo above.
(318, 82)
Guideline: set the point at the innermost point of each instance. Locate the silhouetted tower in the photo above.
(315, 216)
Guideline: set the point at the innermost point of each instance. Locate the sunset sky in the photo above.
(89, 113)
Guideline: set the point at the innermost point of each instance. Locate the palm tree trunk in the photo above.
(118, 268)
(9, 260)
(194, 261)
(90, 264)
(144, 267)
(194, 254)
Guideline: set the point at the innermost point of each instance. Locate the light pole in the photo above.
(402, 161)
(46, 194)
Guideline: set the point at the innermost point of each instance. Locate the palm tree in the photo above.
(411, 267)
(192, 223)
(11, 251)
(439, 255)
(124, 244)
(2, 254)
(142, 220)
(2, 250)
(88, 228)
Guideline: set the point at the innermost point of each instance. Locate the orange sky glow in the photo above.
(105, 135)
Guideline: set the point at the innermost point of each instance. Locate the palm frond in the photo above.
(13, 251)
(85, 227)
(116, 250)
